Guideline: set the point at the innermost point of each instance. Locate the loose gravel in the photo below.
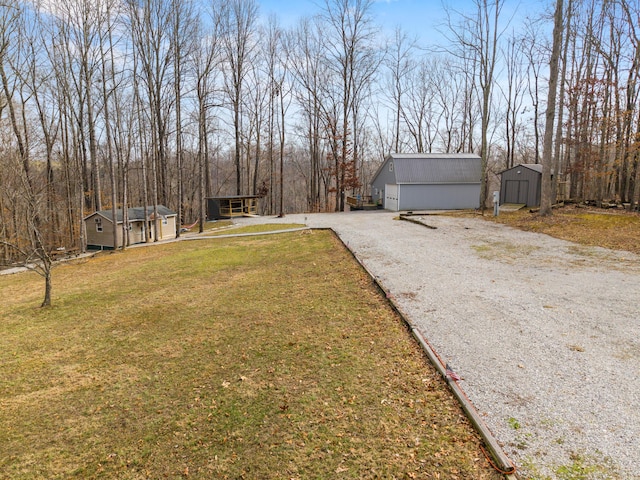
(544, 332)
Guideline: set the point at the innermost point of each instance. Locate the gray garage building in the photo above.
(428, 181)
(521, 184)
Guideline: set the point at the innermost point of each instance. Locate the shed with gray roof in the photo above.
(142, 224)
(428, 181)
(521, 184)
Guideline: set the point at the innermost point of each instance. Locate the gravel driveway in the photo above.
(544, 332)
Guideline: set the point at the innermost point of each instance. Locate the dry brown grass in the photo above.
(260, 357)
(615, 229)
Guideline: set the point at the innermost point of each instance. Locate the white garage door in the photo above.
(391, 197)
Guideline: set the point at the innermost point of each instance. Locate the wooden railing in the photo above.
(360, 201)
(239, 207)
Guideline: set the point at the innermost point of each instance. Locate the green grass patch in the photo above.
(580, 468)
(261, 228)
(217, 224)
(513, 423)
(257, 357)
(211, 226)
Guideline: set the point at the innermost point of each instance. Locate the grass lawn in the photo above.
(252, 229)
(615, 229)
(258, 357)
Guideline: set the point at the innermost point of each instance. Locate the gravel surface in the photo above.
(544, 332)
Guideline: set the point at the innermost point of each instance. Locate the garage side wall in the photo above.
(439, 196)
(385, 176)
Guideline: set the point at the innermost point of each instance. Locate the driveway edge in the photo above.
(503, 463)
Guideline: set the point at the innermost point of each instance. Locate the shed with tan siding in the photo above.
(141, 221)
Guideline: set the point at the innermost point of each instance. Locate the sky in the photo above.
(424, 19)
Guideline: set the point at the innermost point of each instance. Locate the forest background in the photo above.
(112, 103)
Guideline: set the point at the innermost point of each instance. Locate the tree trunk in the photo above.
(557, 154)
(547, 155)
(46, 302)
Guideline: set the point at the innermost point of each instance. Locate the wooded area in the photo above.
(108, 104)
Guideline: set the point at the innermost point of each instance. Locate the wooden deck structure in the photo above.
(362, 202)
(232, 206)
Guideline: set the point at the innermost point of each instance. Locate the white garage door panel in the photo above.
(391, 197)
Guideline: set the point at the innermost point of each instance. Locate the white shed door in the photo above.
(391, 197)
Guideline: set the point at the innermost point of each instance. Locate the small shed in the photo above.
(142, 223)
(521, 184)
(232, 206)
(428, 181)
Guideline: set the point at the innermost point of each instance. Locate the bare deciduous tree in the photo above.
(352, 56)
(477, 39)
(239, 19)
(547, 153)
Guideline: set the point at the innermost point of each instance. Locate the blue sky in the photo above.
(415, 16)
(421, 18)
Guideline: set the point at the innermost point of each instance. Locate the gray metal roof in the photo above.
(532, 166)
(536, 167)
(135, 214)
(424, 168)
